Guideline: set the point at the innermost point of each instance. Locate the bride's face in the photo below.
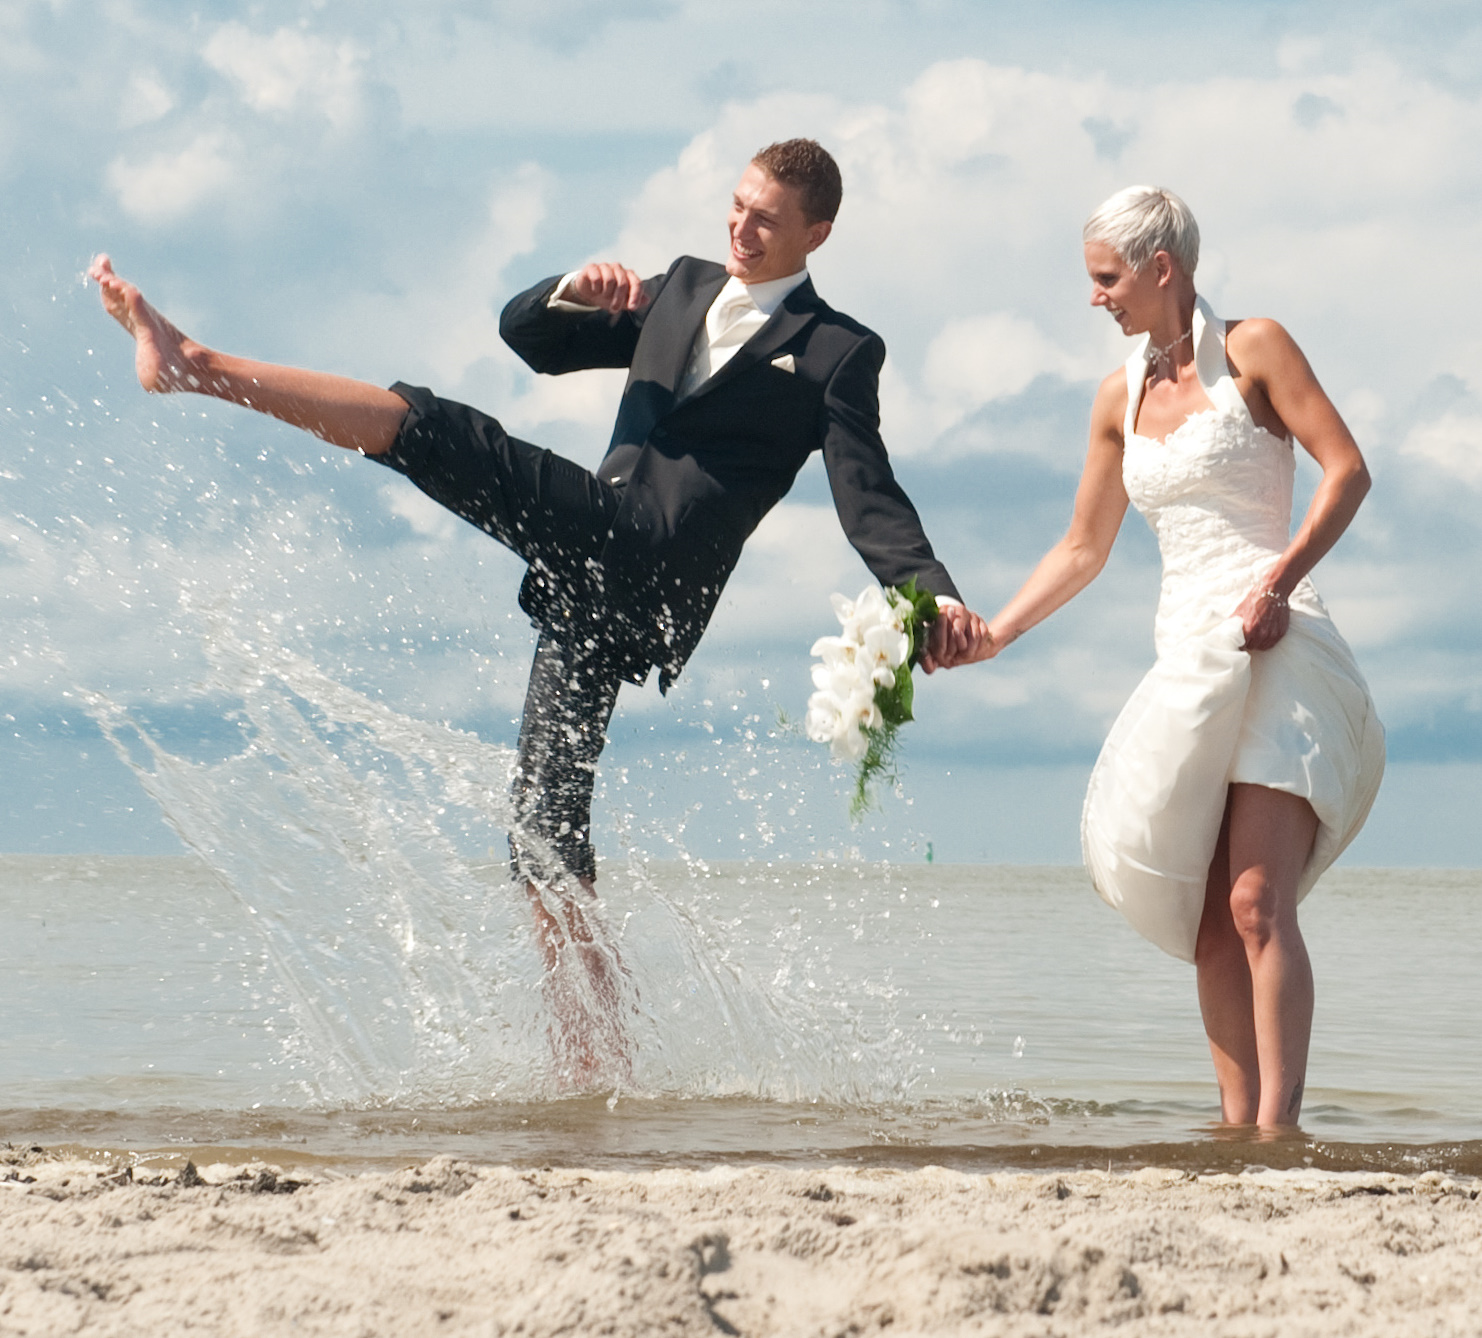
(1132, 299)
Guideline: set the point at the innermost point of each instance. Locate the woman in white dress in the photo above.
(1249, 756)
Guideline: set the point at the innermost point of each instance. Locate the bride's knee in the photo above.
(1259, 910)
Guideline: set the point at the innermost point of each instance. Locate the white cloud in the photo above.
(166, 186)
(426, 517)
(1337, 191)
(289, 70)
(976, 359)
(1451, 443)
(959, 236)
(796, 558)
(146, 99)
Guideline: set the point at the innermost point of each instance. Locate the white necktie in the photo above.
(722, 317)
(726, 329)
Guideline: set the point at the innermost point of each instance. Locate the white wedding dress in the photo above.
(1297, 717)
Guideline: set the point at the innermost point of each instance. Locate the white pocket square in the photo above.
(784, 363)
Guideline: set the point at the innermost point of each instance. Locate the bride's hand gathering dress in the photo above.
(1297, 717)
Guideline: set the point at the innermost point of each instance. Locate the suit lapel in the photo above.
(683, 327)
(798, 309)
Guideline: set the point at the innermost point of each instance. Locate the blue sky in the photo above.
(361, 188)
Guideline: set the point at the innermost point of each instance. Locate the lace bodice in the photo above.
(1217, 492)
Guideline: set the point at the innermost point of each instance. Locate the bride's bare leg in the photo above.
(1225, 999)
(1271, 836)
(344, 412)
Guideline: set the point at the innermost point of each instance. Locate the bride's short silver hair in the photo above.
(1140, 221)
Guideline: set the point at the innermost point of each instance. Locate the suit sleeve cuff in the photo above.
(558, 303)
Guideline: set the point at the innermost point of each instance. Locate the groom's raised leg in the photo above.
(345, 412)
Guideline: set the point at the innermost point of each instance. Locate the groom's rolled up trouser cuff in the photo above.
(567, 708)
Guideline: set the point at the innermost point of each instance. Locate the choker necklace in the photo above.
(1159, 354)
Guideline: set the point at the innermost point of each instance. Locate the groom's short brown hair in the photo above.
(809, 168)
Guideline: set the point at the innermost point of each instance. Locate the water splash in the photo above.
(335, 828)
(346, 831)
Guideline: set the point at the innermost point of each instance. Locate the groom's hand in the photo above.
(952, 637)
(614, 288)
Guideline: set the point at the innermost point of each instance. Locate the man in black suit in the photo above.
(736, 374)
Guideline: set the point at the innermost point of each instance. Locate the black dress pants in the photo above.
(554, 514)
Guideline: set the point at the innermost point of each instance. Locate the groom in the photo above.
(736, 374)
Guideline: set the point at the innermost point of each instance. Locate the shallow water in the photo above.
(971, 1015)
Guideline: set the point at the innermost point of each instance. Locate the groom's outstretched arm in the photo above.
(873, 508)
(878, 517)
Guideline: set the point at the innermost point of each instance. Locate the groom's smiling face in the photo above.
(770, 234)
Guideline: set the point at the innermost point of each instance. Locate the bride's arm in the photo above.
(1073, 563)
(1267, 355)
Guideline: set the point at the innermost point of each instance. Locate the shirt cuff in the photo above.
(946, 601)
(558, 303)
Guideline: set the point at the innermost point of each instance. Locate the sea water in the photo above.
(983, 1014)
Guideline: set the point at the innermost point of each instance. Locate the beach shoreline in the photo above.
(457, 1247)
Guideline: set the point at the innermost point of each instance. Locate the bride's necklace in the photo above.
(1160, 355)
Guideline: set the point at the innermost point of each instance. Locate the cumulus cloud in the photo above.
(146, 99)
(289, 70)
(979, 359)
(166, 186)
(1451, 443)
(426, 517)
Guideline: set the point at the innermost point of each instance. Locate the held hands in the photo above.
(613, 288)
(958, 636)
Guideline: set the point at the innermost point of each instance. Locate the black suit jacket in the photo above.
(698, 472)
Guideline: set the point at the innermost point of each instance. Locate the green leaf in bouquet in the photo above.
(896, 701)
(923, 612)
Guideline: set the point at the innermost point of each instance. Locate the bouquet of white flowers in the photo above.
(864, 690)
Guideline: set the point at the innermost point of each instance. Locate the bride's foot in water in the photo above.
(164, 359)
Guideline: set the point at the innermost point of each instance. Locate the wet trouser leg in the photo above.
(567, 708)
(548, 509)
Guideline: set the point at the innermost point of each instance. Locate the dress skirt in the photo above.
(1296, 718)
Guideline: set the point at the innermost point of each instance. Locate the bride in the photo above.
(1249, 756)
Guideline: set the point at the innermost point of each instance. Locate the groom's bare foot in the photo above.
(164, 359)
(352, 414)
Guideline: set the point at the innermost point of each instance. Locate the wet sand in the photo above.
(450, 1247)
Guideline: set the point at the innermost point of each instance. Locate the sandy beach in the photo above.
(453, 1248)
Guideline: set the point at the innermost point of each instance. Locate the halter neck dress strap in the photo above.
(1210, 366)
